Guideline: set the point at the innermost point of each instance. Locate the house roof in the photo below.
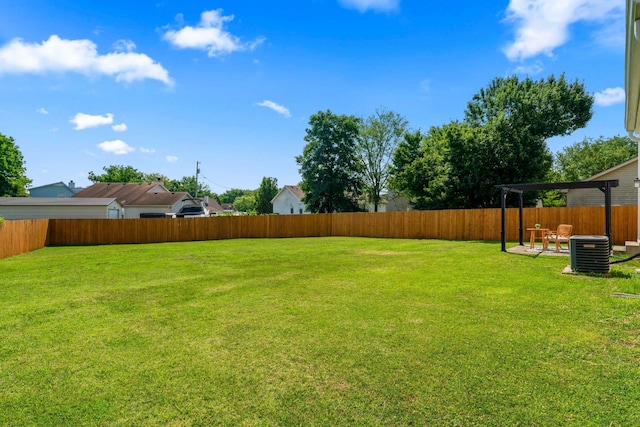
(214, 206)
(56, 201)
(296, 190)
(613, 169)
(134, 193)
(58, 184)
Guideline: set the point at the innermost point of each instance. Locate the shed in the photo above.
(57, 208)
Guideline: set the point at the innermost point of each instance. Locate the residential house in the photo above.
(632, 79)
(59, 207)
(57, 189)
(139, 197)
(625, 194)
(289, 201)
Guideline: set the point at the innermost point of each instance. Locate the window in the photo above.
(291, 209)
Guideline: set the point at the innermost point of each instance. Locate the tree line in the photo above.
(350, 161)
(501, 140)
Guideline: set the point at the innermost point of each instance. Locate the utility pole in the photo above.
(197, 172)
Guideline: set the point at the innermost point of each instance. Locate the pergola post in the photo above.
(520, 206)
(503, 204)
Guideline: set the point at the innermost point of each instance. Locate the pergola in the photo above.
(603, 185)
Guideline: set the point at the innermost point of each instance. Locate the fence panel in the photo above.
(17, 237)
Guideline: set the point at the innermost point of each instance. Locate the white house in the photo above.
(289, 201)
(625, 194)
(59, 207)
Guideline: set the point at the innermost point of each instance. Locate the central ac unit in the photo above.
(589, 254)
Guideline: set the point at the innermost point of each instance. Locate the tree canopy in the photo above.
(329, 164)
(378, 138)
(590, 156)
(118, 173)
(265, 193)
(501, 140)
(13, 178)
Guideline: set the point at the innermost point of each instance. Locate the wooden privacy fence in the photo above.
(17, 237)
(458, 224)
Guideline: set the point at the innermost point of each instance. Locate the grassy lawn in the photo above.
(321, 331)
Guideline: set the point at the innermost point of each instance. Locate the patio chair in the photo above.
(559, 235)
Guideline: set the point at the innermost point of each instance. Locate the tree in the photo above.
(329, 164)
(419, 170)
(118, 173)
(13, 178)
(378, 138)
(231, 195)
(592, 156)
(265, 193)
(188, 184)
(501, 141)
(516, 119)
(245, 203)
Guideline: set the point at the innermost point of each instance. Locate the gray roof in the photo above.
(55, 201)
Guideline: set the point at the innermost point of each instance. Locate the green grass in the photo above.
(319, 331)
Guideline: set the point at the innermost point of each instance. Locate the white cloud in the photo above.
(210, 35)
(275, 107)
(530, 70)
(84, 121)
(79, 56)
(116, 147)
(147, 150)
(171, 159)
(120, 127)
(42, 111)
(543, 25)
(609, 96)
(124, 46)
(375, 5)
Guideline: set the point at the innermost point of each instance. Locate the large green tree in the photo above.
(329, 165)
(13, 178)
(592, 156)
(118, 173)
(378, 138)
(502, 140)
(419, 170)
(266, 192)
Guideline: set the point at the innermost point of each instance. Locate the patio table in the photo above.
(538, 233)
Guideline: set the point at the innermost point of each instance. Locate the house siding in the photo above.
(625, 194)
(285, 201)
(58, 212)
(135, 211)
(51, 190)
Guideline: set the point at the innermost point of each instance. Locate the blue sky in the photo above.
(159, 85)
